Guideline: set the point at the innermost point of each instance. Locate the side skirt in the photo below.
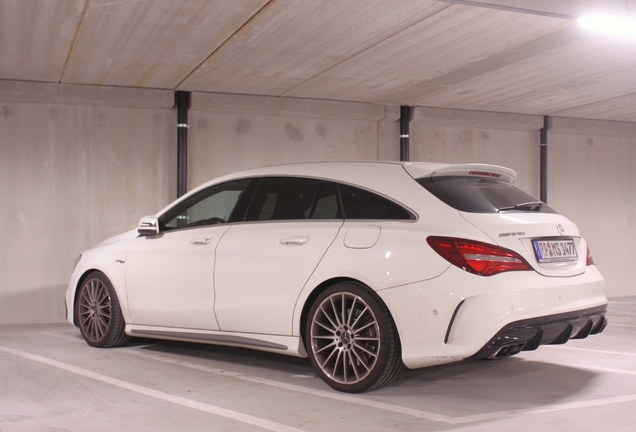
(288, 345)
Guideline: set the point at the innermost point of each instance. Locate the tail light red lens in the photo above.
(476, 257)
(589, 260)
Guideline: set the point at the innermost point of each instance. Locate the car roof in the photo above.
(333, 170)
(388, 178)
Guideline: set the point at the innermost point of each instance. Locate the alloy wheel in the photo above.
(94, 310)
(345, 338)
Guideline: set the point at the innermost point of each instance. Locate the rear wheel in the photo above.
(353, 341)
(98, 313)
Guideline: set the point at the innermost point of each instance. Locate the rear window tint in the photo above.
(481, 195)
(362, 204)
(327, 203)
(294, 198)
(283, 198)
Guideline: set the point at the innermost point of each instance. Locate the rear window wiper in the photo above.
(532, 206)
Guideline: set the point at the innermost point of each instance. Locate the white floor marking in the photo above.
(211, 409)
(309, 375)
(325, 394)
(557, 407)
(594, 350)
(399, 409)
(291, 387)
(597, 368)
(592, 368)
(546, 409)
(410, 411)
(622, 325)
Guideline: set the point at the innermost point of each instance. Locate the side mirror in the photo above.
(148, 225)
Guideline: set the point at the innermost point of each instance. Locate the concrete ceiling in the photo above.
(516, 56)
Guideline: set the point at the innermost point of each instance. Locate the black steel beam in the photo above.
(182, 100)
(547, 124)
(405, 119)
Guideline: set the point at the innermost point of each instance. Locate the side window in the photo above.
(327, 203)
(283, 198)
(210, 206)
(362, 204)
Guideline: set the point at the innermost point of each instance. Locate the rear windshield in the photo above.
(482, 195)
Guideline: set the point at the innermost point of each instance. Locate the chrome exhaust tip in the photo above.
(508, 350)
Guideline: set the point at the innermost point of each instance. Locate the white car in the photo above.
(364, 267)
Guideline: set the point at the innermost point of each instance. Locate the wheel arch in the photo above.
(319, 289)
(80, 282)
(388, 363)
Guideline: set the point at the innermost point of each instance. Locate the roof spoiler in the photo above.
(444, 170)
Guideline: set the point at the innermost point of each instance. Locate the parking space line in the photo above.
(542, 410)
(623, 325)
(177, 400)
(599, 368)
(410, 411)
(396, 408)
(560, 347)
(292, 387)
(136, 350)
(594, 368)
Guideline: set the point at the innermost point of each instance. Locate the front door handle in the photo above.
(294, 241)
(201, 241)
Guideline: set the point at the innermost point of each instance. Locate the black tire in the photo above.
(98, 313)
(352, 340)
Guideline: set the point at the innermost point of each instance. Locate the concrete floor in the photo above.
(50, 380)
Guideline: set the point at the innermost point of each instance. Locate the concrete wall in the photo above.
(592, 166)
(230, 133)
(71, 175)
(79, 164)
(452, 136)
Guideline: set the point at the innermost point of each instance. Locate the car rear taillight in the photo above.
(589, 260)
(476, 257)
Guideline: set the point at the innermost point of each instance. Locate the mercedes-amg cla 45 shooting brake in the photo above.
(363, 267)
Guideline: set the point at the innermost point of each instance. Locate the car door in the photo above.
(263, 264)
(169, 276)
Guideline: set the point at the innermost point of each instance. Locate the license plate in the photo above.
(555, 250)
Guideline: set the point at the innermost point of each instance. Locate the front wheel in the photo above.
(352, 340)
(98, 313)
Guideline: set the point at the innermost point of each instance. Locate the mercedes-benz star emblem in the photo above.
(560, 229)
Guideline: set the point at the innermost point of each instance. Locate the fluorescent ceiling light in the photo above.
(623, 27)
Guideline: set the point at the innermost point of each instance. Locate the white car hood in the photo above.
(127, 236)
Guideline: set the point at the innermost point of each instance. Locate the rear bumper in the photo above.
(460, 315)
(529, 334)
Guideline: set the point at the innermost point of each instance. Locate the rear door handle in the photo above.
(201, 241)
(294, 241)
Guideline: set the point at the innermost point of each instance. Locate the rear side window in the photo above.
(327, 203)
(283, 198)
(482, 195)
(294, 198)
(361, 204)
